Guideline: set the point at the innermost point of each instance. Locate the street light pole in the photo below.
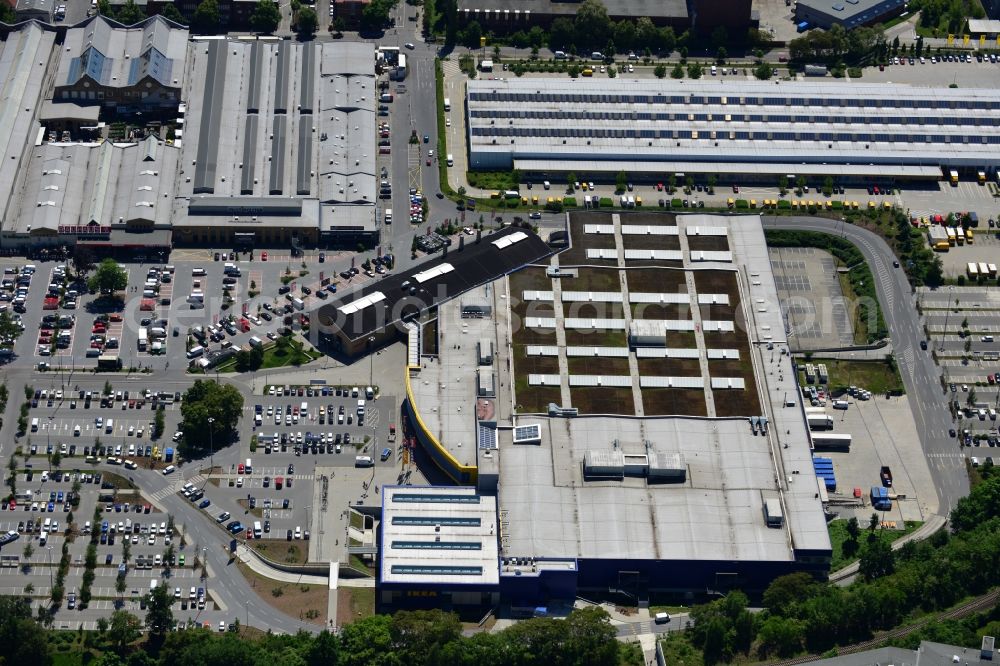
(211, 443)
(371, 361)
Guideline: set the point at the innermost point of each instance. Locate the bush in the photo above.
(607, 202)
(784, 204)
(569, 202)
(742, 204)
(854, 72)
(838, 205)
(676, 203)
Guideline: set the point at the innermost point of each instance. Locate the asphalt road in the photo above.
(920, 374)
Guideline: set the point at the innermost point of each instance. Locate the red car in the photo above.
(263, 255)
(240, 469)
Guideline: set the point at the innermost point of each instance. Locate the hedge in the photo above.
(742, 204)
(607, 202)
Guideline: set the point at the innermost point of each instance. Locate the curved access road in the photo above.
(920, 374)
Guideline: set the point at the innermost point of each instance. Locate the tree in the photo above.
(110, 276)
(158, 424)
(877, 560)
(720, 37)
(472, 34)
(694, 71)
(781, 636)
(979, 506)
(571, 182)
(621, 180)
(206, 17)
(7, 14)
(660, 71)
(561, 34)
(24, 640)
(853, 529)
(83, 257)
(120, 585)
(591, 24)
(339, 25)
(265, 17)
(130, 14)
(308, 22)
(159, 617)
(721, 54)
(205, 400)
(171, 13)
(677, 72)
(324, 650)
(763, 71)
(785, 591)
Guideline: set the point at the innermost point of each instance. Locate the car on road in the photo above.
(923, 344)
(386, 453)
(204, 503)
(223, 517)
(952, 433)
(410, 45)
(170, 469)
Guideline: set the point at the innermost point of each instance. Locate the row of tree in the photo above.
(803, 614)
(418, 638)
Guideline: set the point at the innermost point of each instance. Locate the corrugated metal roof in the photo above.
(666, 352)
(660, 255)
(709, 255)
(595, 323)
(672, 382)
(544, 380)
(722, 326)
(611, 352)
(672, 297)
(592, 296)
(649, 230)
(602, 253)
(617, 381)
(721, 383)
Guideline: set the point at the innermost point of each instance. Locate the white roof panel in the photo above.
(672, 382)
(434, 272)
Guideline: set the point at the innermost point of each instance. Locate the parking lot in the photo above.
(883, 433)
(812, 298)
(125, 522)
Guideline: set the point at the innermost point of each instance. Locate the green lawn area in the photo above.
(277, 356)
(838, 537)
(876, 376)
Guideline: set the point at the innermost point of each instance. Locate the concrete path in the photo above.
(561, 338)
(633, 362)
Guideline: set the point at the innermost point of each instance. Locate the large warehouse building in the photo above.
(271, 141)
(739, 130)
(625, 402)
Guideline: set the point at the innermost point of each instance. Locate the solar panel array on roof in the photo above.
(544, 380)
(528, 434)
(534, 295)
(694, 230)
(719, 383)
(595, 323)
(715, 354)
(713, 299)
(599, 229)
(487, 438)
(721, 326)
(432, 273)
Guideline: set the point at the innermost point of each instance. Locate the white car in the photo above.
(409, 45)
(170, 469)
